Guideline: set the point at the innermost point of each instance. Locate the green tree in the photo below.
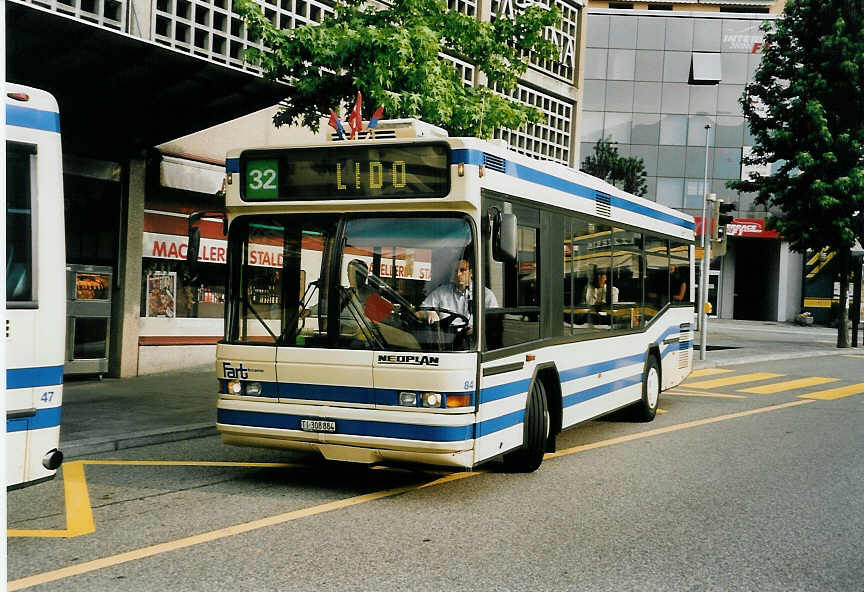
(805, 108)
(392, 54)
(626, 172)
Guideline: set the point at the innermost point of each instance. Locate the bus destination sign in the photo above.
(383, 171)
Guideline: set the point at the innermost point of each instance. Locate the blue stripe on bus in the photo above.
(475, 157)
(600, 390)
(232, 165)
(28, 117)
(33, 377)
(598, 367)
(350, 427)
(325, 392)
(496, 424)
(44, 418)
(502, 391)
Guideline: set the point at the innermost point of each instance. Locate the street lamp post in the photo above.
(706, 257)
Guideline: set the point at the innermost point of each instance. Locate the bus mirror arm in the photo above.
(195, 239)
(503, 236)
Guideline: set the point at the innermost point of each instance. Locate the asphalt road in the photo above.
(725, 490)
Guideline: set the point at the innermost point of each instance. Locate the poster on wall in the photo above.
(161, 294)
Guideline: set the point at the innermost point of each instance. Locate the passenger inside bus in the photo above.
(679, 283)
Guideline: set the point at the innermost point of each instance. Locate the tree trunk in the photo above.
(843, 323)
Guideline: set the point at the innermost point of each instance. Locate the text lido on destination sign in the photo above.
(376, 178)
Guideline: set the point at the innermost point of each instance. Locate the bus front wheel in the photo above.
(535, 433)
(646, 408)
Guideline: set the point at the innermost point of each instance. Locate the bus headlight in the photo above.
(432, 399)
(407, 399)
(235, 387)
(253, 389)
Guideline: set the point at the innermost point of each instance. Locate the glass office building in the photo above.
(653, 79)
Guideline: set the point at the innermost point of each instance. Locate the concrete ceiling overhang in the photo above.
(120, 95)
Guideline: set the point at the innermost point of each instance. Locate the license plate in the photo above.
(317, 425)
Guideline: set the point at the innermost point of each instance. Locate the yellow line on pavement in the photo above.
(836, 393)
(776, 387)
(853, 355)
(731, 380)
(105, 562)
(79, 515)
(672, 428)
(709, 395)
(709, 372)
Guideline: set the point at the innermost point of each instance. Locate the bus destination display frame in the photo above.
(367, 171)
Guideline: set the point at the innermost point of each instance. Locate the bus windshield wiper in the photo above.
(294, 325)
(249, 306)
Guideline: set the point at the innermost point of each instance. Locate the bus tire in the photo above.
(528, 457)
(646, 408)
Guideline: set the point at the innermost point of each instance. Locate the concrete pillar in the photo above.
(789, 283)
(126, 299)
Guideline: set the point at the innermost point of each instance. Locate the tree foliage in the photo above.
(805, 108)
(393, 54)
(626, 172)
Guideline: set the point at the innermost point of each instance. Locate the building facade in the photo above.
(128, 202)
(656, 74)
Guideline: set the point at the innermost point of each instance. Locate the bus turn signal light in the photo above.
(458, 400)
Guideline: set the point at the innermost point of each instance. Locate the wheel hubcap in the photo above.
(652, 387)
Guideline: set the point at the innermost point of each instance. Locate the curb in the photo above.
(78, 448)
(698, 364)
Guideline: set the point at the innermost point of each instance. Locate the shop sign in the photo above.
(743, 227)
(174, 247)
(750, 227)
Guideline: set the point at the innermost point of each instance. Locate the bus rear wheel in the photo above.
(535, 433)
(646, 408)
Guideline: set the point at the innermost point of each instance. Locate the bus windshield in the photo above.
(369, 281)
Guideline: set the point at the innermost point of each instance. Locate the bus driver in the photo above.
(456, 296)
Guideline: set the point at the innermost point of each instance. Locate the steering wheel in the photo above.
(450, 316)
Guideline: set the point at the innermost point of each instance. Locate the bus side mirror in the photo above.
(194, 244)
(504, 237)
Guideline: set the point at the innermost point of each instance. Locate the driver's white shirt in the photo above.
(448, 296)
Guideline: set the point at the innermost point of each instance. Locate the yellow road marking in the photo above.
(705, 384)
(661, 410)
(853, 355)
(836, 393)
(89, 566)
(672, 428)
(714, 395)
(776, 387)
(709, 372)
(79, 514)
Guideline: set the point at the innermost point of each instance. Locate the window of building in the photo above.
(659, 7)
(621, 5)
(746, 9)
(706, 68)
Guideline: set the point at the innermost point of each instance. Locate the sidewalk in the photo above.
(118, 413)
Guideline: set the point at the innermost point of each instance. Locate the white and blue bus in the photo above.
(442, 301)
(35, 285)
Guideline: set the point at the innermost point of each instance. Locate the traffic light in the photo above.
(722, 217)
